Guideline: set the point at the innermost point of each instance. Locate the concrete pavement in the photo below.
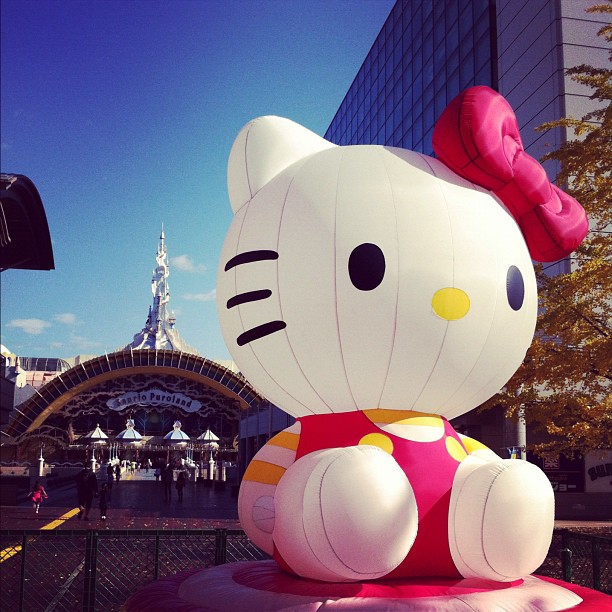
(137, 502)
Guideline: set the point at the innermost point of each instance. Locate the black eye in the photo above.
(366, 266)
(515, 288)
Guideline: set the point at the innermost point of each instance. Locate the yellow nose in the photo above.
(450, 303)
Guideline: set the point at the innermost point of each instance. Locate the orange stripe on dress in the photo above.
(264, 472)
(286, 440)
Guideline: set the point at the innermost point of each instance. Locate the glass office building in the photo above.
(430, 50)
(425, 54)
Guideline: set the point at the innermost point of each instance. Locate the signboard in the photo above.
(154, 397)
(565, 475)
(552, 463)
(598, 471)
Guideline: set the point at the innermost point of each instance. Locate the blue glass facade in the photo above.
(426, 53)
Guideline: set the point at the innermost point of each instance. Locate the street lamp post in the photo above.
(41, 462)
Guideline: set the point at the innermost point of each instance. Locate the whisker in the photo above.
(249, 257)
(260, 331)
(248, 296)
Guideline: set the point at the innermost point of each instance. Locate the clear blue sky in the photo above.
(123, 113)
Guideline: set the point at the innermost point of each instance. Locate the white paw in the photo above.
(263, 513)
(345, 514)
(256, 513)
(501, 519)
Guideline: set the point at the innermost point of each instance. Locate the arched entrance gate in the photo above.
(153, 387)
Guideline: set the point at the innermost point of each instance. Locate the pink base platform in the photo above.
(263, 586)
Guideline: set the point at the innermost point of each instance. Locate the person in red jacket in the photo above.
(37, 494)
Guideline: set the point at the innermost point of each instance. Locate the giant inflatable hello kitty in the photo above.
(373, 293)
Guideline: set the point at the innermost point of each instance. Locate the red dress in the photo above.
(429, 468)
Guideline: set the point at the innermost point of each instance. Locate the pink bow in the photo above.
(477, 136)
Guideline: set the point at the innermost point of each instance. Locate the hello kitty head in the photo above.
(363, 277)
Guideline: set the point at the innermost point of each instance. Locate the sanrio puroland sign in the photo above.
(154, 397)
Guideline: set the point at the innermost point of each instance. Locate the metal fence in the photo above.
(98, 570)
(580, 558)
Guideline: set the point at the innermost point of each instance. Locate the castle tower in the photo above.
(159, 331)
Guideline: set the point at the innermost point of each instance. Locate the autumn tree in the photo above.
(564, 385)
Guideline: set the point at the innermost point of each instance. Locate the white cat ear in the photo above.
(263, 148)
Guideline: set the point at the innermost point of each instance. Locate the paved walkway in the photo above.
(137, 502)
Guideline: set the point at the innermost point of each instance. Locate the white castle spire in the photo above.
(159, 331)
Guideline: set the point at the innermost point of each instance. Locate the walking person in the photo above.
(37, 494)
(167, 478)
(180, 484)
(118, 473)
(109, 479)
(87, 488)
(104, 499)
